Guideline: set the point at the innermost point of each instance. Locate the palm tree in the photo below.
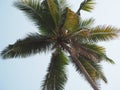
(68, 36)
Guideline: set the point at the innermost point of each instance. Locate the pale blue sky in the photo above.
(28, 73)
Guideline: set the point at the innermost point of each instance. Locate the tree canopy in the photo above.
(70, 38)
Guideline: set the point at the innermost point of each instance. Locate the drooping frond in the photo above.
(87, 5)
(97, 52)
(81, 49)
(56, 74)
(78, 64)
(93, 69)
(103, 33)
(75, 59)
(32, 44)
(39, 13)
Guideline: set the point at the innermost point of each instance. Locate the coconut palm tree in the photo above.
(69, 37)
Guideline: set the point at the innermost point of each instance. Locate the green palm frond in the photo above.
(80, 67)
(32, 44)
(108, 59)
(87, 23)
(56, 76)
(98, 51)
(39, 13)
(99, 73)
(99, 33)
(54, 10)
(103, 33)
(93, 69)
(88, 5)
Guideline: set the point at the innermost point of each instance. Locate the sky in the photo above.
(28, 73)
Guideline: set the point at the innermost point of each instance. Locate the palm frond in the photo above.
(99, 33)
(87, 23)
(79, 66)
(71, 20)
(87, 5)
(32, 44)
(56, 76)
(82, 29)
(99, 73)
(103, 33)
(54, 10)
(98, 51)
(93, 69)
(39, 13)
(82, 49)
(108, 59)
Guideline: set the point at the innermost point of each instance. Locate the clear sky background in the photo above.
(28, 73)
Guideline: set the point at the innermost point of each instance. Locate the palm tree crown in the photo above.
(68, 36)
